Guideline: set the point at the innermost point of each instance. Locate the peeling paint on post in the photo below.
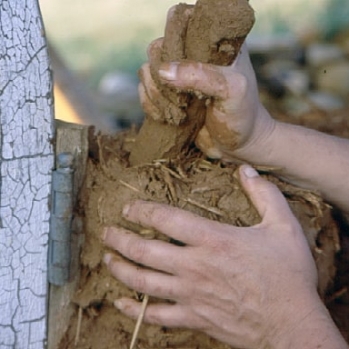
(26, 161)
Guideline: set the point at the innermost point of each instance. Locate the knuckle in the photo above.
(190, 72)
(136, 249)
(197, 271)
(213, 242)
(139, 283)
(158, 215)
(154, 319)
(217, 241)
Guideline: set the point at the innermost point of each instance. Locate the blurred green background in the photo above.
(96, 37)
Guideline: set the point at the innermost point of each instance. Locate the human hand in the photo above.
(235, 123)
(249, 287)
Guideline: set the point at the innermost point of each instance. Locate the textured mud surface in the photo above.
(208, 188)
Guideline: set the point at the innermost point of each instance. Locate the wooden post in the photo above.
(73, 139)
(26, 162)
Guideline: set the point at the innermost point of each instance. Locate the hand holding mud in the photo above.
(198, 34)
(250, 287)
(235, 117)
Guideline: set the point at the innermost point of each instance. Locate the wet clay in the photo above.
(207, 188)
(209, 32)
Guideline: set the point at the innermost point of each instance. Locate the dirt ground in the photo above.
(210, 189)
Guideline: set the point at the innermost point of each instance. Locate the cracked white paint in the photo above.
(26, 161)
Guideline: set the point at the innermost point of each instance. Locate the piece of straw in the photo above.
(139, 321)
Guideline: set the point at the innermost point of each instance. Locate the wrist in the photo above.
(306, 325)
(257, 148)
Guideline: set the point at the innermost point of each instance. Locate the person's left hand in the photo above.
(244, 286)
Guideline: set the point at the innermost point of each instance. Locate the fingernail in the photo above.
(119, 304)
(249, 171)
(168, 71)
(107, 258)
(125, 210)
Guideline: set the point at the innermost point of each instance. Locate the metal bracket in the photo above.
(59, 257)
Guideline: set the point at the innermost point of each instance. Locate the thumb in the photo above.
(265, 196)
(208, 79)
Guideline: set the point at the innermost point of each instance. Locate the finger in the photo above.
(149, 84)
(175, 32)
(209, 79)
(154, 50)
(222, 82)
(143, 280)
(155, 254)
(148, 106)
(266, 197)
(166, 109)
(178, 224)
(168, 315)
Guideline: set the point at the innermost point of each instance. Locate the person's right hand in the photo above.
(250, 287)
(235, 119)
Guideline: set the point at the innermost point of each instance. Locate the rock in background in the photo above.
(298, 76)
